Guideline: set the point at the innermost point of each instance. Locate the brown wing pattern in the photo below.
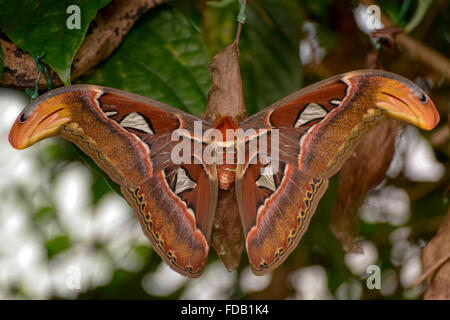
(276, 211)
(318, 128)
(129, 137)
(175, 210)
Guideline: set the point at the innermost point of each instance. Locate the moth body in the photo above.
(227, 154)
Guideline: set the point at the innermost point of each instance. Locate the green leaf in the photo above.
(220, 4)
(44, 214)
(164, 58)
(98, 172)
(399, 11)
(319, 9)
(220, 24)
(1, 62)
(270, 60)
(41, 26)
(419, 14)
(406, 5)
(56, 245)
(100, 186)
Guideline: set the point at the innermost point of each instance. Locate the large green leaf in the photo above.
(1, 62)
(164, 58)
(40, 26)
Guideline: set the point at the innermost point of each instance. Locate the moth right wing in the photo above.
(315, 130)
(130, 138)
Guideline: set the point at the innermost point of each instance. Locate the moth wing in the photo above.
(130, 138)
(314, 131)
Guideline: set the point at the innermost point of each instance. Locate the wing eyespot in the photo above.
(422, 97)
(22, 118)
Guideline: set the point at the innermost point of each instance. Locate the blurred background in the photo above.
(60, 221)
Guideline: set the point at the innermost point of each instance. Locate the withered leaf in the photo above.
(227, 230)
(364, 170)
(436, 263)
(226, 94)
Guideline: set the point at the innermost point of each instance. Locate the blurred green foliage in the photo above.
(163, 57)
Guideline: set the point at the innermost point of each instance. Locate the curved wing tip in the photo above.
(400, 97)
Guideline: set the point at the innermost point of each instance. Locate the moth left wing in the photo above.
(320, 125)
(175, 208)
(276, 209)
(130, 138)
(314, 130)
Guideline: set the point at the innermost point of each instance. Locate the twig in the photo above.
(241, 18)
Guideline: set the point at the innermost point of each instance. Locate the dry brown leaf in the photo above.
(227, 230)
(226, 94)
(364, 170)
(226, 97)
(436, 263)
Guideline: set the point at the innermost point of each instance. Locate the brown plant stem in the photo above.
(435, 260)
(239, 26)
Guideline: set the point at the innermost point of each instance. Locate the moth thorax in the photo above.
(226, 173)
(227, 169)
